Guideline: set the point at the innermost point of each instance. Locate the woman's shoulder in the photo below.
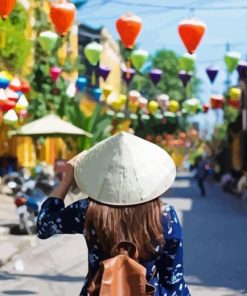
(170, 221)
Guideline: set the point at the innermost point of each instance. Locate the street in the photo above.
(215, 252)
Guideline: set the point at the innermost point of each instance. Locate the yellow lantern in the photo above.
(117, 105)
(123, 99)
(235, 93)
(21, 104)
(107, 90)
(133, 106)
(153, 106)
(173, 106)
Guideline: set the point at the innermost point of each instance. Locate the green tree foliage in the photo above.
(15, 51)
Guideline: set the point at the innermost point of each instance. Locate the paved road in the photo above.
(215, 232)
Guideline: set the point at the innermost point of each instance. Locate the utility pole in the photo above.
(243, 86)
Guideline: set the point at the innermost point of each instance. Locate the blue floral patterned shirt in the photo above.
(55, 218)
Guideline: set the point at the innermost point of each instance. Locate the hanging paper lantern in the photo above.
(10, 117)
(191, 32)
(81, 83)
(23, 114)
(145, 117)
(119, 103)
(55, 73)
(133, 106)
(6, 105)
(6, 6)
(205, 107)
(48, 41)
(129, 27)
(134, 96)
(187, 62)
(15, 84)
(139, 58)
(25, 87)
(92, 52)
(21, 104)
(62, 16)
(232, 59)
(104, 72)
(96, 93)
(199, 109)
(212, 73)
(3, 98)
(6, 74)
(143, 102)
(153, 106)
(128, 75)
(71, 90)
(171, 117)
(234, 104)
(155, 75)
(163, 101)
(173, 106)
(107, 90)
(217, 101)
(235, 93)
(79, 3)
(242, 69)
(191, 105)
(11, 95)
(4, 82)
(185, 77)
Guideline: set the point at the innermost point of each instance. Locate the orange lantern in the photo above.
(62, 15)
(6, 6)
(129, 27)
(191, 32)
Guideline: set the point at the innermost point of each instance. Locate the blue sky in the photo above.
(225, 25)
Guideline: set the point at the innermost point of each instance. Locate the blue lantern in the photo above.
(4, 82)
(81, 83)
(96, 93)
(79, 3)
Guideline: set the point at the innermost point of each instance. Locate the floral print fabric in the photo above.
(54, 218)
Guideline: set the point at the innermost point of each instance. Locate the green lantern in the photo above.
(231, 59)
(191, 105)
(48, 41)
(92, 52)
(139, 58)
(170, 116)
(187, 62)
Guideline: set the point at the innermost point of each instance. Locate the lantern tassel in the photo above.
(3, 39)
(93, 78)
(128, 68)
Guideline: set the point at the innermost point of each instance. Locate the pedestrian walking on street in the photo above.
(130, 235)
(201, 175)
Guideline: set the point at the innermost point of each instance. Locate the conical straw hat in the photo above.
(124, 170)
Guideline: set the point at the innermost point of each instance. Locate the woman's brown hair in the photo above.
(140, 224)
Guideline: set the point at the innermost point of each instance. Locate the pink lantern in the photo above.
(55, 73)
(134, 96)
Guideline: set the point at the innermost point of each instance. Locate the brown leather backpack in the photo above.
(121, 274)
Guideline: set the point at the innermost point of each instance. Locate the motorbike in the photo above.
(29, 199)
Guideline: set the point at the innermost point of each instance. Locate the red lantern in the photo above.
(15, 84)
(6, 105)
(62, 15)
(129, 27)
(205, 107)
(191, 32)
(217, 101)
(11, 95)
(235, 104)
(6, 6)
(25, 87)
